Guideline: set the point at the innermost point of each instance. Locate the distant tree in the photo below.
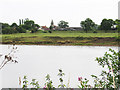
(118, 25)
(22, 21)
(35, 28)
(95, 28)
(24, 25)
(8, 30)
(117, 20)
(19, 21)
(20, 29)
(5, 25)
(107, 24)
(14, 26)
(88, 24)
(63, 24)
(28, 24)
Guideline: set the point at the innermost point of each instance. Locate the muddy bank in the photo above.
(82, 41)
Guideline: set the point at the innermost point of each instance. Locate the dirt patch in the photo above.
(33, 37)
(79, 38)
(56, 37)
(84, 41)
(102, 40)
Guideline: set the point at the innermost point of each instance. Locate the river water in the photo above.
(36, 61)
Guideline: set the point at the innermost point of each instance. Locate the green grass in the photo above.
(63, 34)
(59, 38)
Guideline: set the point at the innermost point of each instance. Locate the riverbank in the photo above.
(82, 39)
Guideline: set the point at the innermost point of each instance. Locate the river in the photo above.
(36, 61)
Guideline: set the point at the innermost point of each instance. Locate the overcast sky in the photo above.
(43, 11)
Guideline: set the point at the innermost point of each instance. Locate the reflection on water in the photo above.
(38, 61)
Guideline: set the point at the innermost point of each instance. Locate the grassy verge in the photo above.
(62, 38)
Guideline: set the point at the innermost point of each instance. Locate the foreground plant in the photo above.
(61, 74)
(108, 78)
(25, 82)
(35, 83)
(48, 84)
(83, 83)
(9, 57)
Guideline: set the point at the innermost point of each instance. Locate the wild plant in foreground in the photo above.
(25, 82)
(48, 83)
(61, 74)
(108, 78)
(83, 83)
(34, 84)
(8, 57)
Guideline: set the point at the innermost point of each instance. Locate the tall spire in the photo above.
(52, 23)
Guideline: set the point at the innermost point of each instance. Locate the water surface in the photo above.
(38, 61)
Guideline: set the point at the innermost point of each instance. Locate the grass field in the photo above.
(62, 38)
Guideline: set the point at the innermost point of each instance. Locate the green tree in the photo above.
(20, 29)
(4, 25)
(35, 28)
(19, 21)
(88, 24)
(14, 25)
(107, 24)
(8, 30)
(117, 23)
(22, 21)
(30, 25)
(63, 24)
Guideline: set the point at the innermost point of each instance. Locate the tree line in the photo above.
(23, 27)
(87, 25)
(106, 25)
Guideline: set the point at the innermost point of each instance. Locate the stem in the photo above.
(68, 81)
(20, 82)
(113, 76)
(3, 65)
(82, 84)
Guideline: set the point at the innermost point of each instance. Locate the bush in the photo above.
(9, 30)
(94, 31)
(20, 29)
(44, 31)
(50, 31)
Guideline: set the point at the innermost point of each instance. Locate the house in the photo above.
(74, 28)
(44, 28)
(69, 28)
